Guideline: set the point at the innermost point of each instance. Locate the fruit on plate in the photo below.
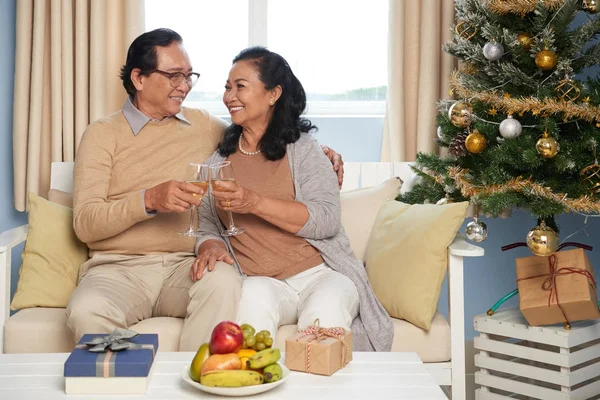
(227, 337)
(272, 373)
(245, 354)
(220, 362)
(256, 340)
(196, 367)
(233, 378)
(263, 358)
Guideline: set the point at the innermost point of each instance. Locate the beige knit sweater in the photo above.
(112, 169)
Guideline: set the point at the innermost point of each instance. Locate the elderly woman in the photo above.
(295, 258)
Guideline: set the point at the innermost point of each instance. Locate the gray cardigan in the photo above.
(316, 187)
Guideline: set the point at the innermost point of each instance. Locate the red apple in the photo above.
(227, 337)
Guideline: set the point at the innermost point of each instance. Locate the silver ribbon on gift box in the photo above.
(116, 341)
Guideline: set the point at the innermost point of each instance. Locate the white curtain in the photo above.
(418, 75)
(67, 62)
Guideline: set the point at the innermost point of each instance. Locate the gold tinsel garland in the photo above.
(511, 105)
(583, 204)
(521, 7)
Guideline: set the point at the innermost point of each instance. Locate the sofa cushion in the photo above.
(167, 328)
(38, 330)
(44, 330)
(431, 346)
(359, 210)
(407, 256)
(51, 258)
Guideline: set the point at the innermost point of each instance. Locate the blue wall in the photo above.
(9, 217)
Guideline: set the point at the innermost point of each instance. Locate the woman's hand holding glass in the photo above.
(235, 198)
(229, 196)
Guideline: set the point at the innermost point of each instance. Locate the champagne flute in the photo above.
(223, 172)
(196, 174)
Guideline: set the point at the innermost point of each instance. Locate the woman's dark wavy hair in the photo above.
(142, 54)
(286, 125)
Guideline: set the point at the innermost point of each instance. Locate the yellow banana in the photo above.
(272, 373)
(263, 358)
(231, 378)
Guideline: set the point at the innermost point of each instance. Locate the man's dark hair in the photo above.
(286, 125)
(142, 54)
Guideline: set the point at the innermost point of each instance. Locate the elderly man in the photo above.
(130, 202)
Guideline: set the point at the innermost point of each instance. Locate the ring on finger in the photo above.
(228, 203)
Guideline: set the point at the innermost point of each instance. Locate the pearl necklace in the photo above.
(244, 152)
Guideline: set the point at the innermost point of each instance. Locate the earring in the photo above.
(271, 102)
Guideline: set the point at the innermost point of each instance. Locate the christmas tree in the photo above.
(524, 131)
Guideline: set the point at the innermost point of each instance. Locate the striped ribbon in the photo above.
(106, 362)
(316, 333)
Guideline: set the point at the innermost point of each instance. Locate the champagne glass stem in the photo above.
(191, 225)
(231, 225)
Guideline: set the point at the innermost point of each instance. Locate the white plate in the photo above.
(237, 391)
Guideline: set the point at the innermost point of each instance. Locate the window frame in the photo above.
(257, 36)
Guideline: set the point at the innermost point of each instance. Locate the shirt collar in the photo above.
(137, 119)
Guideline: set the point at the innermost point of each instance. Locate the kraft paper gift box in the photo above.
(322, 356)
(571, 287)
(112, 372)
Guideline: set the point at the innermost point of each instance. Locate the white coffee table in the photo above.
(368, 376)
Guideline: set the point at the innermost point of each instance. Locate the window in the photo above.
(337, 48)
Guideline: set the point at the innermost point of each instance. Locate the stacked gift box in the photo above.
(119, 363)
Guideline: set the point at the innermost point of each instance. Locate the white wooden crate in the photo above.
(518, 361)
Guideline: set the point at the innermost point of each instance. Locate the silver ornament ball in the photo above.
(439, 132)
(510, 128)
(476, 231)
(493, 51)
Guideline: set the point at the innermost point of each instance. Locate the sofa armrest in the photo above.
(457, 250)
(8, 240)
(460, 247)
(12, 238)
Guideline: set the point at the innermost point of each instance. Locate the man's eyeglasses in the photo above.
(177, 78)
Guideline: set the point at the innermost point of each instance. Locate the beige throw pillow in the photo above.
(360, 208)
(407, 257)
(51, 258)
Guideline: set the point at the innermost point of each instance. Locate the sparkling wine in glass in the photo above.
(198, 175)
(223, 172)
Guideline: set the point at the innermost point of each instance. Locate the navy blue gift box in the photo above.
(124, 363)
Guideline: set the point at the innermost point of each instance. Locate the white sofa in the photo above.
(40, 330)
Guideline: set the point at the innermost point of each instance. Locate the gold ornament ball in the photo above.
(542, 240)
(547, 146)
(460, 114)
(591, 6)
(546, 60)
(475, 142)
(525, 39)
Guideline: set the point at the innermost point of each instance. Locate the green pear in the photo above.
(196, 367)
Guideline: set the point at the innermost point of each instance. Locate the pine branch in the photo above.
(590, 58)
(583, 34)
